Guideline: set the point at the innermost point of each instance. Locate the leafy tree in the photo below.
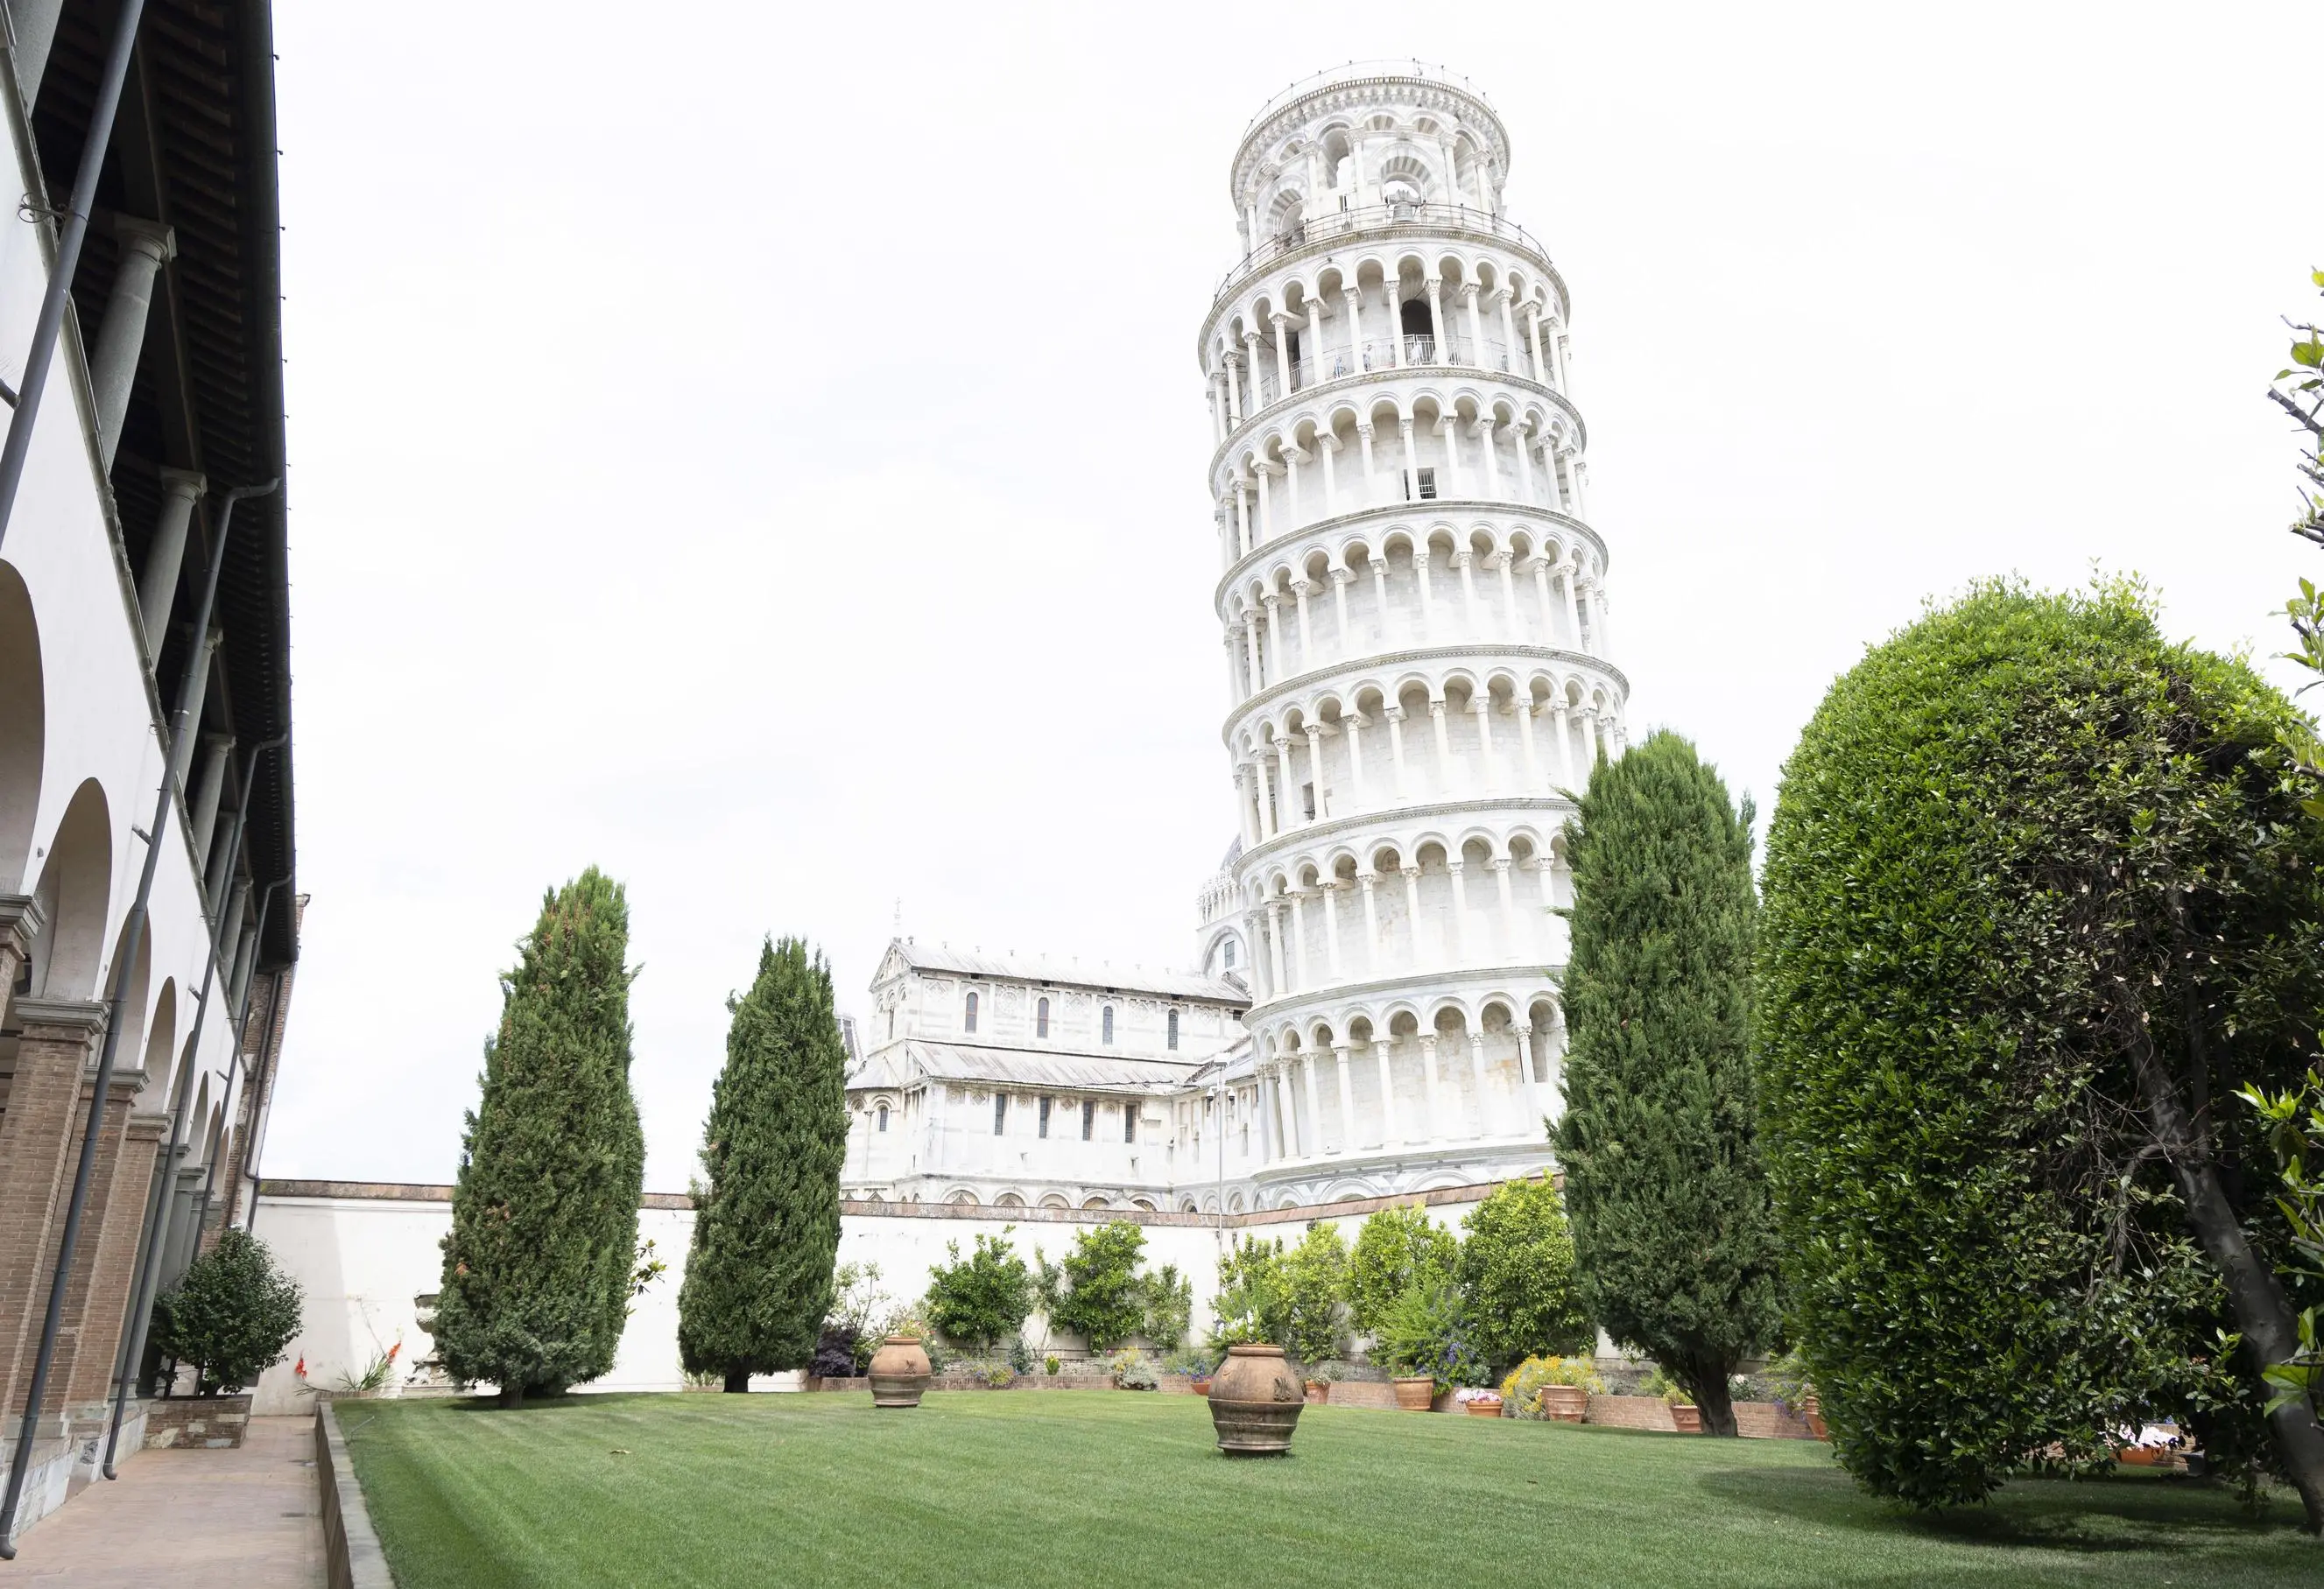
(2299, 391)
(979, 1299)
(1398, 1248)
(1253, 1301)
(230, 1314)
(2294, 1122)
(1169, 1307)
(2039, 895)
(542, 1256)
(1658, 1141)
(1097, 1291)
(1516, 1268)
(1429, 1329)
(766, 1215)
(1315, 1282)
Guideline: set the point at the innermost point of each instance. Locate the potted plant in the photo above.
(1478, 1402)
(1684, 1413)
(1424, 1342)
(1320, 1379)
(230, 1316)
(1556, 1389)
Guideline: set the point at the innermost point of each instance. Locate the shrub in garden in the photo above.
(977, 1299)
(1517, 1267)
(230, 1314)
(1521, 1391)
(542, 1257)
(1427, 1331)
(1253, 1301)
(1396, 1248)
(844, 1350)
(2040, 896)
(1659, 1139)
(766, 1213)
(1095, 1290)
(1169, 1300)
(1316, 1290)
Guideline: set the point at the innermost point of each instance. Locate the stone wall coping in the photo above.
(351, 1556)
(393, 1191)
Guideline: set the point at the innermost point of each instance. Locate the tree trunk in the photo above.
(738, 1382)
(512, 1396)
(2262, 1311)
(1713, 1398)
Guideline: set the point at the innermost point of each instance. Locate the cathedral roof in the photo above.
(1020, 1068)
(1065, 972)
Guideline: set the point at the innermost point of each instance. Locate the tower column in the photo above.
(1526, 1099)
(1347, 1100)
(1372, 924)
(1435, 1091)
(1332, 931)
(1477, 1075)
(1354, 725)
(1389, 1132)
(1315, 1134)
(1436, 286)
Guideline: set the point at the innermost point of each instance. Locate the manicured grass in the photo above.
(1039, 1488)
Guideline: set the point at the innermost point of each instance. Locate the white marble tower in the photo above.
(1413, 610)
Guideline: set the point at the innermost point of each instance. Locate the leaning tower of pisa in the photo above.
(1413, 609)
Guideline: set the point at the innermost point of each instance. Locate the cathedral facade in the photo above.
(1414, 621)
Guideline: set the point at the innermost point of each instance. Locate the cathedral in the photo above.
(1413, 618)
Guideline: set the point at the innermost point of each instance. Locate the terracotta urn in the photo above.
(1318, 1393)
(899, 1372)
(1255, 1402)
(1413, 1395)
(1812, 1410)
(1688, 1418)
(1564, 1403)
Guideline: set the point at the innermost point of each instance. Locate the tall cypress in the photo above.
(1671, 1225)
(766, 1215)
(538, 1264)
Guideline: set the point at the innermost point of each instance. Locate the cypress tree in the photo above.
(1671, 1225)
(766, 1216)
(539, 1262)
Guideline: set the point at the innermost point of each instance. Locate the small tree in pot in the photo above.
(230, 1316)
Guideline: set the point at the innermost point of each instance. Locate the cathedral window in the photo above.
(1174, 1029)
(999, 1114)
(883, 1118)
(1427, 485)
(1041, 1019)
(968, 1014)
(1105, 1025)
(892, 1020)
(1046, 1102)
(1130, 1123)
(1089, 1117)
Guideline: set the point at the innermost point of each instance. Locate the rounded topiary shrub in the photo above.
(230, 1314)
(2034, 872)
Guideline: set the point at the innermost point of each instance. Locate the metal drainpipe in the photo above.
(258, 1075)
(132, 939)
(241, 1040)
(43, 349)
(140, 1296)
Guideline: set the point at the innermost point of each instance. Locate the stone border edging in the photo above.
(351, 1558)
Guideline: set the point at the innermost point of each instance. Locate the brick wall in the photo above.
(216, 1422)
(1631, 1412)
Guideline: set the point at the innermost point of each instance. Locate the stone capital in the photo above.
(151, 238)
(188, 483)
(1343, 575)
(59, 1020)
(22, 917)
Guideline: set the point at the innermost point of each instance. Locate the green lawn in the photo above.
(1094, 1489)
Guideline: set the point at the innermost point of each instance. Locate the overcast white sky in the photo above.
(759, 450)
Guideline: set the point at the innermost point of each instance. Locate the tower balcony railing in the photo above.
(1420, 353)
(1379, 217)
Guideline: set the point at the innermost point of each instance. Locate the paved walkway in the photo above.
(246, 1518)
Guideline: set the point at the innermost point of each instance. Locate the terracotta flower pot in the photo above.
(899, 1372)
(1688, 1418)
(1202, 1384)
(1413, 1395)
(1255, 1402)
(1318, 1393)
(1812, 1410)
(1484, 1409)
(1564, 1403)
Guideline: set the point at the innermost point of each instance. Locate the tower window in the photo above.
(1130, 1123)
(1427, 485)
(892, 1020)
(1307, 800)
(883, 1118)
(1046, 1102)
(1105, 1025)
(1041, 1019)
(1230, 951)
(999, 1114)
(1089, 1118)
(968, 1014)
(1174, 1029)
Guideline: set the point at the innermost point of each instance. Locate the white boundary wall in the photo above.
(364, 1252)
